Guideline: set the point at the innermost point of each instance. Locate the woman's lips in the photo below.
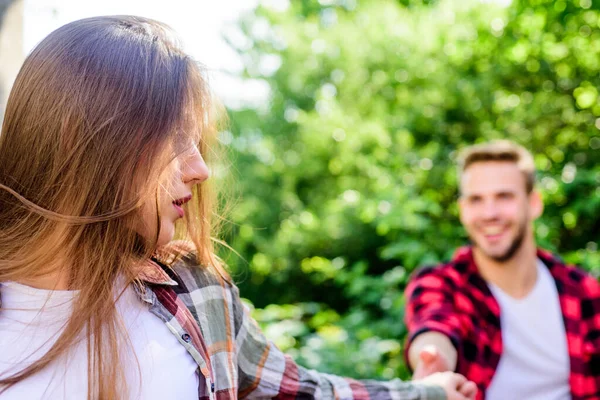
(179, 210)
(178, 204)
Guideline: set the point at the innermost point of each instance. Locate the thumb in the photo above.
(428, 354)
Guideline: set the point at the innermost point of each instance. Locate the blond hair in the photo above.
(98, 110)
(499, 150)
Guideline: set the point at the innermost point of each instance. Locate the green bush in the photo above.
(347, 179)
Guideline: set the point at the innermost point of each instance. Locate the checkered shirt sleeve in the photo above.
(245, 364)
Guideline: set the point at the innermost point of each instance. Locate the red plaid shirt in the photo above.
(453, 299)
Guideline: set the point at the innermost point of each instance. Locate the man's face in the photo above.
(496, 209)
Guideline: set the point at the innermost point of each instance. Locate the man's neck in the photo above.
(515, 276)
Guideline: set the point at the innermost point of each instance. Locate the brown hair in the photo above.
(98, 110)
(499, 150)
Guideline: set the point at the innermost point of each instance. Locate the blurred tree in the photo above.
(347, 180)
(4, 4)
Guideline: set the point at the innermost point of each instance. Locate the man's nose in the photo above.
(490, 209)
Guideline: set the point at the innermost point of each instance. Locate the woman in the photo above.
(102, 161)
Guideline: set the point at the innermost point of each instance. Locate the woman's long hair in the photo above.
(98, 110)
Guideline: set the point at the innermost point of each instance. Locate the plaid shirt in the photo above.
(203, 310)
(453, 299)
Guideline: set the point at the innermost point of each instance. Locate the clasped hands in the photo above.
(434, 369)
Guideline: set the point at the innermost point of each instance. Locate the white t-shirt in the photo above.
(535, 362)
(31, 321)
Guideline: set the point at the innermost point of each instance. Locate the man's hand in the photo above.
(431, 360)
(456, 386)
(431, 352)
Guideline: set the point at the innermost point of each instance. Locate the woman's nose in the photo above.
(194, 169)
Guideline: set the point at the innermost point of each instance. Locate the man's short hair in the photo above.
(499, 150)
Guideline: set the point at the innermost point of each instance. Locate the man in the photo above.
(510, 317)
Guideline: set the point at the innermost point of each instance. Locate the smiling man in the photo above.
(509, 316)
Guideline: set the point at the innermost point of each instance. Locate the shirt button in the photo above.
(186, 338)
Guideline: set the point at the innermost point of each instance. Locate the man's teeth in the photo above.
(492, 230)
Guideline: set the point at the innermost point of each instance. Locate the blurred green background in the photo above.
(347, 180)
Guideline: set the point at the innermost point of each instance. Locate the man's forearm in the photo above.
(439, 341)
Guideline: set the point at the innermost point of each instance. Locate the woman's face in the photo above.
(176, 182)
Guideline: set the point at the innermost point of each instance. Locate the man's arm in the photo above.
(591, 318)
(434, 327)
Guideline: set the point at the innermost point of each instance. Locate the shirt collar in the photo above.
(464, 257)
(151, 272)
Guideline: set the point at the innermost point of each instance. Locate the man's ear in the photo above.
(536, 205)
(460, 202)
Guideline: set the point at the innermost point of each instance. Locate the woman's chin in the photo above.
(166, 235)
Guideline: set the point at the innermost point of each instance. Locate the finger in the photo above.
(429, 354)
(458, 380)
(468, 389)
(423, 371)
(431, 349)
(420, 372)
(426, 357)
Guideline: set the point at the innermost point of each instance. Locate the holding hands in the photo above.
(434, 368)
(456, 386)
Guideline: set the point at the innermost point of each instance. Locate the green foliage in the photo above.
(347, 181)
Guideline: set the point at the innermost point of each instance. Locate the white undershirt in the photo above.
(31, 321)
(535, 363)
